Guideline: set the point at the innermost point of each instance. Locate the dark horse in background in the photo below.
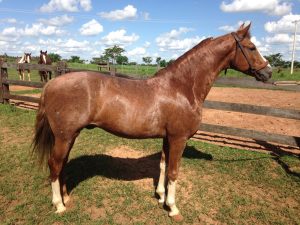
(167, 105)
(26, 58)
(45, 60)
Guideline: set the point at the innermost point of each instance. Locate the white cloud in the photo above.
(285, 24)
(272, 7)
(86, 5)
(58, 20)
(38, 29)
(139, 51)
(9, 34)
(119, 37)
(172, 41)
(8, 20)
(66, 5)
(280, 38)
(129, 12)
(230, 28)
(147, 44)
(91, 28)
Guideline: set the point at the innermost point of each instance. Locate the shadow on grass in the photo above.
(128, 169)
(277, 152)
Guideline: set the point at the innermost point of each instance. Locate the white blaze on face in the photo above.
(28, 59)
(264, 59)
(44, 58)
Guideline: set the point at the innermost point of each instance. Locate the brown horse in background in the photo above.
(45, 59)
(167, 105)
(26, 58)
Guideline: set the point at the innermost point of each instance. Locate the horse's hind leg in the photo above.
(56, 162)
(160, 190)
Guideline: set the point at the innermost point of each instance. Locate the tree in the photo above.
(113, 52)
(147, 60)
(54, 57)
(171, 61)
(121, 59)
(75, 59)
(276, 60)
(163, 63)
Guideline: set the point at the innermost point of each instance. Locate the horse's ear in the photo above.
(244, 31)
(242, 26)
(46, 51)
(30, 53)
(41, 51)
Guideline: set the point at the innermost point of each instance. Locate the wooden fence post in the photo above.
(4, 88)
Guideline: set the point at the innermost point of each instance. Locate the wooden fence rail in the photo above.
(244, 108)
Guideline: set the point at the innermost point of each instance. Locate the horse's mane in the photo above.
(202, 44)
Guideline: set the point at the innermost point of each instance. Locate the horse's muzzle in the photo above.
(264, 74)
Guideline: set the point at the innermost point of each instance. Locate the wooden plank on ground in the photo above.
(22, 98)
(256, 135)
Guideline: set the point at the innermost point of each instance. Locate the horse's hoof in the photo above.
(177, 218)
(60, 209)
(66, 198)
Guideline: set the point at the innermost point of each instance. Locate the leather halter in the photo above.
(251, 69)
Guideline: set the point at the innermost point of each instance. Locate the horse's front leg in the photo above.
(177, 145)
(29, 78)
(23, 75)
(160, 190)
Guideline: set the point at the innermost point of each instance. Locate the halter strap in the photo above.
(251, 68)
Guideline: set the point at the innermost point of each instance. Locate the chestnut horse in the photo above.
(167, 105)
(44, 59)
(26, 58)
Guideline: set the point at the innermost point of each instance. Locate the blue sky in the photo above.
(143, 28)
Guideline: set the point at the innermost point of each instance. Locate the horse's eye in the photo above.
(252, 48)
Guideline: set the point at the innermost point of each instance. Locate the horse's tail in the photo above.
(43, 140)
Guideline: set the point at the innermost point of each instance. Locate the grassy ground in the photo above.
(217, 184)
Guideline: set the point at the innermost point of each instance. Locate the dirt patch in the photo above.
(96, 213)
(120, 218)
(260, 97)
(20, 88)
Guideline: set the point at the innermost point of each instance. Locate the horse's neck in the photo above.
(199, 68)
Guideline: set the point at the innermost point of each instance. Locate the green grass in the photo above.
(276, 76)
(216, 185)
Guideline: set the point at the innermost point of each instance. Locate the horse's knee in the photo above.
(55, 166)
(172, 175)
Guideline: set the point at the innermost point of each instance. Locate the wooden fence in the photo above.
(5, 96)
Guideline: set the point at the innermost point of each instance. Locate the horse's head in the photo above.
(43, 57)
(26, 57)
(247, 58)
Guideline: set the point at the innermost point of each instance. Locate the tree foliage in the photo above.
(54, 57)
(121, 59)
(113, 52)
(75, 59)
(147, 59)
